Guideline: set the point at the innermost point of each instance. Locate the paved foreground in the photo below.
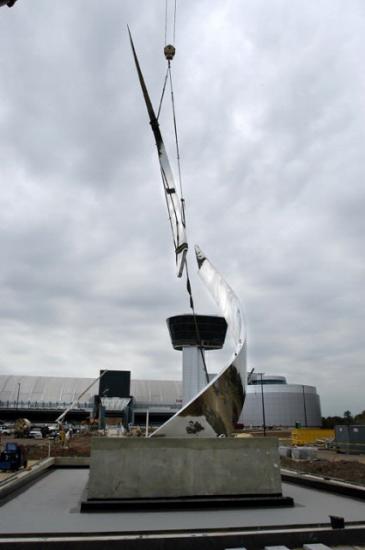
(52, 505)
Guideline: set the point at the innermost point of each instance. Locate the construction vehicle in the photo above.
(310, 436)
(13, 457)
(61, 418)
(22, 427)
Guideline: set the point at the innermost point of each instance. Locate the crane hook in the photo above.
(169, 52)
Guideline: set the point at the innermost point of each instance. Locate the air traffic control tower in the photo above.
(193, 335)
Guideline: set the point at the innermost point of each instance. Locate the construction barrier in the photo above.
(305, 436)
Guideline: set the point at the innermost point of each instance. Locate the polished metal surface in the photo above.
(8, 3)
(173, 200)
(215, 409)
(218, 406)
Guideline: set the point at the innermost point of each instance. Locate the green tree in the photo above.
(348, 417)
(360, 418)
(331, 421)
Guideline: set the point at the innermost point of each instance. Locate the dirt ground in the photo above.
(339, 468)
(43, 448)
(332, 456)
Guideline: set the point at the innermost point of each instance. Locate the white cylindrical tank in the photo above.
(284, 404)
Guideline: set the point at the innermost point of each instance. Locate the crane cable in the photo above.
(169, 51)
(174, 21)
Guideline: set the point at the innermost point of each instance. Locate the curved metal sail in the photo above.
(214, 410)
(173, 200)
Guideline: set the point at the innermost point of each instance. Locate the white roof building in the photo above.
(282, 404)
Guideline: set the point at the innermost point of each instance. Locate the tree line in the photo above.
(347, 418)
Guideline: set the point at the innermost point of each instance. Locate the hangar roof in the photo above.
(66, 389)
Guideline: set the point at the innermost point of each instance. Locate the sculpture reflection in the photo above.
(214, 411)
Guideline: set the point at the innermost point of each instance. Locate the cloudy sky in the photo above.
(271, 119)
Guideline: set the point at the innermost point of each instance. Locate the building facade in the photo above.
(270, 400)
(274, 402)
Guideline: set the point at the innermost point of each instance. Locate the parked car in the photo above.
(35, 434)
(4, 430)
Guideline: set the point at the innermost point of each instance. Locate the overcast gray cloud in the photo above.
(270, 108)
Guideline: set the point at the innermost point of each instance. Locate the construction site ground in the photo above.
(330, 464)
(349, 468)
(78, 445)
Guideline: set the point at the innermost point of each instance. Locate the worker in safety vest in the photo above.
(62, 436)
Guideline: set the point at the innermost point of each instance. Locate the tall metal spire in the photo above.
(173, 200)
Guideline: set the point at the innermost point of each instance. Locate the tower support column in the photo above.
(193, 335)
(194, 378)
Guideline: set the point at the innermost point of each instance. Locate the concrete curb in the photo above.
(23, 477)
(329, 485)
(197, 540)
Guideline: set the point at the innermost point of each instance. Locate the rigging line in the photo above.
(166, 22)
(170, 218)
(174, 23)
(175, 129)
(177, 147)
(171, 212)
(163, 93)
(171, 225)
(182, 200)
(167, 190)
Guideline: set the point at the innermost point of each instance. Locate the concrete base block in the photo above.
(285, 451)
(131, 468)
(304, 453)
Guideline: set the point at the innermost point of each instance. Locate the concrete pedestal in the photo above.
(126, 469)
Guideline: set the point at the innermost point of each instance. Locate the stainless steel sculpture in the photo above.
(173, 201)
(9, 3)
(214, 410)
(218, 406)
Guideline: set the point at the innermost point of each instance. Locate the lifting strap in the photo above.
(169, 51)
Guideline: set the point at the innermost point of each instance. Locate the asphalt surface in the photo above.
(52, 505)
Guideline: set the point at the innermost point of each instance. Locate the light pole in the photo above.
(17, 397)
(263, 403)
(148, 411)
(305, 408)
(147, 421)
